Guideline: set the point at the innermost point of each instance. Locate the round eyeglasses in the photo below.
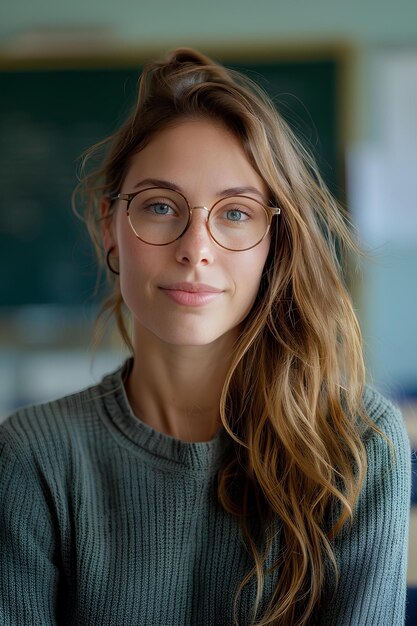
(159, 216)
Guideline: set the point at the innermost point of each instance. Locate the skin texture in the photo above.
(183, 341)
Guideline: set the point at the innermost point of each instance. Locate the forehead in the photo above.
(196, 155)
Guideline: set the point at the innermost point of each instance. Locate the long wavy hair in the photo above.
(292, 399)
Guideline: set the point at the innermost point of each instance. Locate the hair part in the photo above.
(292, 400)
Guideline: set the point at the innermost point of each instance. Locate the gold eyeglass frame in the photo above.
(269, 211)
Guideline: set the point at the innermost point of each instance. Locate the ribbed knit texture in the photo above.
(105, 521)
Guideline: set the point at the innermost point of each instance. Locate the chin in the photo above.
(189, 337)
(191, 340)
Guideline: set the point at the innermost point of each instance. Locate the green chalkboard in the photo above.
(49, 117)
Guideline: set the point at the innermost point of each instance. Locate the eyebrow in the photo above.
(231, 191)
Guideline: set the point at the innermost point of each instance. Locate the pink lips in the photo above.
(191, 294)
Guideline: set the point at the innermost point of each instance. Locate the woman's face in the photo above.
(190, 292)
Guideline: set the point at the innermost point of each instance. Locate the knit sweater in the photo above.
(106, 521)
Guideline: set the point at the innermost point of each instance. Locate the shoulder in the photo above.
(38, 429)
(388, 448)
(387, 417)
(371, 548)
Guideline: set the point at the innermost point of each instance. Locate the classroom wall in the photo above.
(364, 22)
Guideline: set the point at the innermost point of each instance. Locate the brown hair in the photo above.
(292, 400)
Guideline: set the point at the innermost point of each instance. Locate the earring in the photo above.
(113, 271)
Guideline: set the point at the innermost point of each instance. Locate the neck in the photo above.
(177, 389)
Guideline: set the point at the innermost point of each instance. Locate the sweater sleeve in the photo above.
(28, 575)
(372, 553)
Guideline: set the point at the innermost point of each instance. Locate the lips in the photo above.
(191, 294)
(192, 288)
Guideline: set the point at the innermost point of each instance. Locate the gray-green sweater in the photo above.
(105, 521)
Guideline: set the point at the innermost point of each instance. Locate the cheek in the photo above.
(250, 271)
(135, 268)
(256, 263)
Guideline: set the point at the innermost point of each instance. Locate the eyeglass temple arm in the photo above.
(121, 196)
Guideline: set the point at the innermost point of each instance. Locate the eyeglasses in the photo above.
(159, 216)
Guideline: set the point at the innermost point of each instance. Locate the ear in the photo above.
(107, 230)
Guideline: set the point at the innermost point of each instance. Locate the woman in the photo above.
(236, 470)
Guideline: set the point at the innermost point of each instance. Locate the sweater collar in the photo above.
(198, 456)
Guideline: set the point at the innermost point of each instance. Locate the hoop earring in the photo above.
(113, 271)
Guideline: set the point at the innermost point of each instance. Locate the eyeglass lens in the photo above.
(160, 216)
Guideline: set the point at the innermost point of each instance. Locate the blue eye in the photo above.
(161, 209)
(234, 215)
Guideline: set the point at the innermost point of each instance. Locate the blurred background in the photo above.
(344, 74)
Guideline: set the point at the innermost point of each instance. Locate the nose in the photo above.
(195, 247)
